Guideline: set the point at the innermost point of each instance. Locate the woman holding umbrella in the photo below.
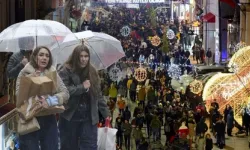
(80, 120)
(41, 65)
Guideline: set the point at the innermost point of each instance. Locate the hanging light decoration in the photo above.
(174, 71)
(140, 74)
(196, 86)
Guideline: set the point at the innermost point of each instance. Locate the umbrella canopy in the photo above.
(104, 49)
(32, 33)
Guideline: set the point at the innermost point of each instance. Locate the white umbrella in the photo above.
(104, 49)
(32, 33)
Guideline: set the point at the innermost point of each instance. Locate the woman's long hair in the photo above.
(88, 72)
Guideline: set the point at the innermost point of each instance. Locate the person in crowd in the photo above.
(137, 135)
(246, 118)
(209, 56)
(226, 112)
(183, 131)
(215, 104)
(209, 142)
(143, 144)
(148, 119)
(142, 96)
(80, 119)
(111, 105)
(155, 126)
(230, 122)
(120, 129)
(127, 114)
(220, 132)
(168, 129)
(200, 142)
(113, 92)
(191, 126)
(127, 133)
(121, 104)
(47, 137)
(132, 90)
(18, 60)
(201, 127)
(140, 119)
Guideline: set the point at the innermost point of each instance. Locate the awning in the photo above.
(209, 17)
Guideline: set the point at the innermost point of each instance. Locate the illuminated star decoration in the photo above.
(174, 72)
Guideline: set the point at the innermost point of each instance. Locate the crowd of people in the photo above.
(161, 109)
(142, 26)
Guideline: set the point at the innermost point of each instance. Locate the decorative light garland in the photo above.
(240, 46)
(152, 63)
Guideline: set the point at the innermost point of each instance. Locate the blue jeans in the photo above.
(76, 135)
(155, 134)
(47, 135)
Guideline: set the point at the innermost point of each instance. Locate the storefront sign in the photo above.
(135, 1)
(129, 5)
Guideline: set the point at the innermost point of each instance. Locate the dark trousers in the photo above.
(132, 95)
(127, 142)
(47, 136)
(148, 130)
(155, 134)
(229, 131)
(247, 129)
(220, 138)
(77, 135)
(119, 140)
(121, 111)
(137, 143)
(142, 102)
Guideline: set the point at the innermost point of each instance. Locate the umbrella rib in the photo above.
(96, 53)
(106, 42)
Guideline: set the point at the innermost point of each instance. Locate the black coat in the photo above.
(73, 83)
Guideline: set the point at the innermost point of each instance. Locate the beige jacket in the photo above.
(62, 92)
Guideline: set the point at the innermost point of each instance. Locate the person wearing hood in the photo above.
(18, 60)
(79, 120)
